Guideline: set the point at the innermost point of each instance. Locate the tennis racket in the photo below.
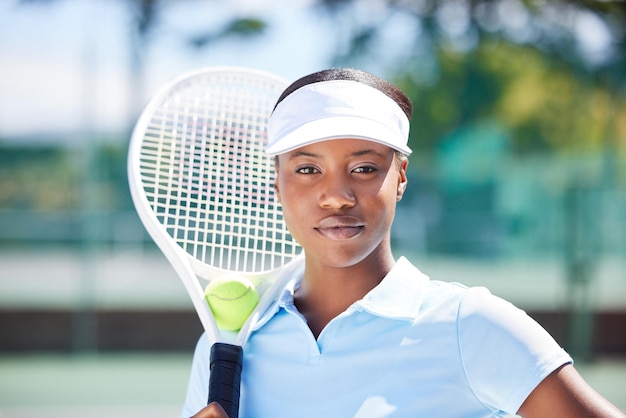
(204, 189)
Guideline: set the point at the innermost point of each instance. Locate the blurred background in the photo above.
(517, 179)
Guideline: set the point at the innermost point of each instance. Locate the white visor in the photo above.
(333, 110)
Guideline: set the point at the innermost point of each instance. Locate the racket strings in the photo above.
(209, 181)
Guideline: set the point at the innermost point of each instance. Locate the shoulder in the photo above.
(461, 301)
(505, 352)
(409, 293)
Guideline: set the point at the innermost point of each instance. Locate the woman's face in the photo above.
(339, 198)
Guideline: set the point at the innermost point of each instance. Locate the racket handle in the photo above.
(225, 378)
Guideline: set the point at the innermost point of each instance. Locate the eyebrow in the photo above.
(366, 152)
(304, 154)
(354, 154)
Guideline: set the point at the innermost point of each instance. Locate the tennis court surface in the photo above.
(139, 384)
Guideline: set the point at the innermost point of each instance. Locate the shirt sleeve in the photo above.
(505, 353)
(198, 386)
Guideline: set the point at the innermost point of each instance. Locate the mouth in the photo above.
(339, 227)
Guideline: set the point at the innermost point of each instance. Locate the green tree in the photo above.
(521, 62)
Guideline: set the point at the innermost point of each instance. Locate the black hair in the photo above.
(352, 74)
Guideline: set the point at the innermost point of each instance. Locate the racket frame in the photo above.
(189, 268)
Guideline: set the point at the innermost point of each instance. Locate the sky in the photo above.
(65, 67)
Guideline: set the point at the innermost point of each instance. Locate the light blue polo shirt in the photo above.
(412, 347)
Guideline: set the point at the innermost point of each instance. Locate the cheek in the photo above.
(295, 220)
(387, 199)
(392, 190)
(292, 205)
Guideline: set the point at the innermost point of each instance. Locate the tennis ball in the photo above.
(231, 300)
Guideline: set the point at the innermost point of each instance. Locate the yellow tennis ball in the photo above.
(231, 300)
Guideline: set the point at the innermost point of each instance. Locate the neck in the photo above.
(328, 291)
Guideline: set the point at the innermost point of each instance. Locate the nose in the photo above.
(336, 193)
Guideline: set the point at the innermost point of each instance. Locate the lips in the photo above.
(339, 227)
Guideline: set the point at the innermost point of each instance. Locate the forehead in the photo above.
(341, 148)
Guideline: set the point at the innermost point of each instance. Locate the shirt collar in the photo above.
(285, 298)
(399, 294)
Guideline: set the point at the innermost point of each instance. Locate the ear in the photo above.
(277, 191)
(402, 179)
(276, 188)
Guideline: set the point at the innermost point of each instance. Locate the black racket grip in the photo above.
(225, 379)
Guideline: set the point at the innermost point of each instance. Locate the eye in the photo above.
(307, 170)
(365, 169)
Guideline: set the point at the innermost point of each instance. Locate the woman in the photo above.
(359, 333)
